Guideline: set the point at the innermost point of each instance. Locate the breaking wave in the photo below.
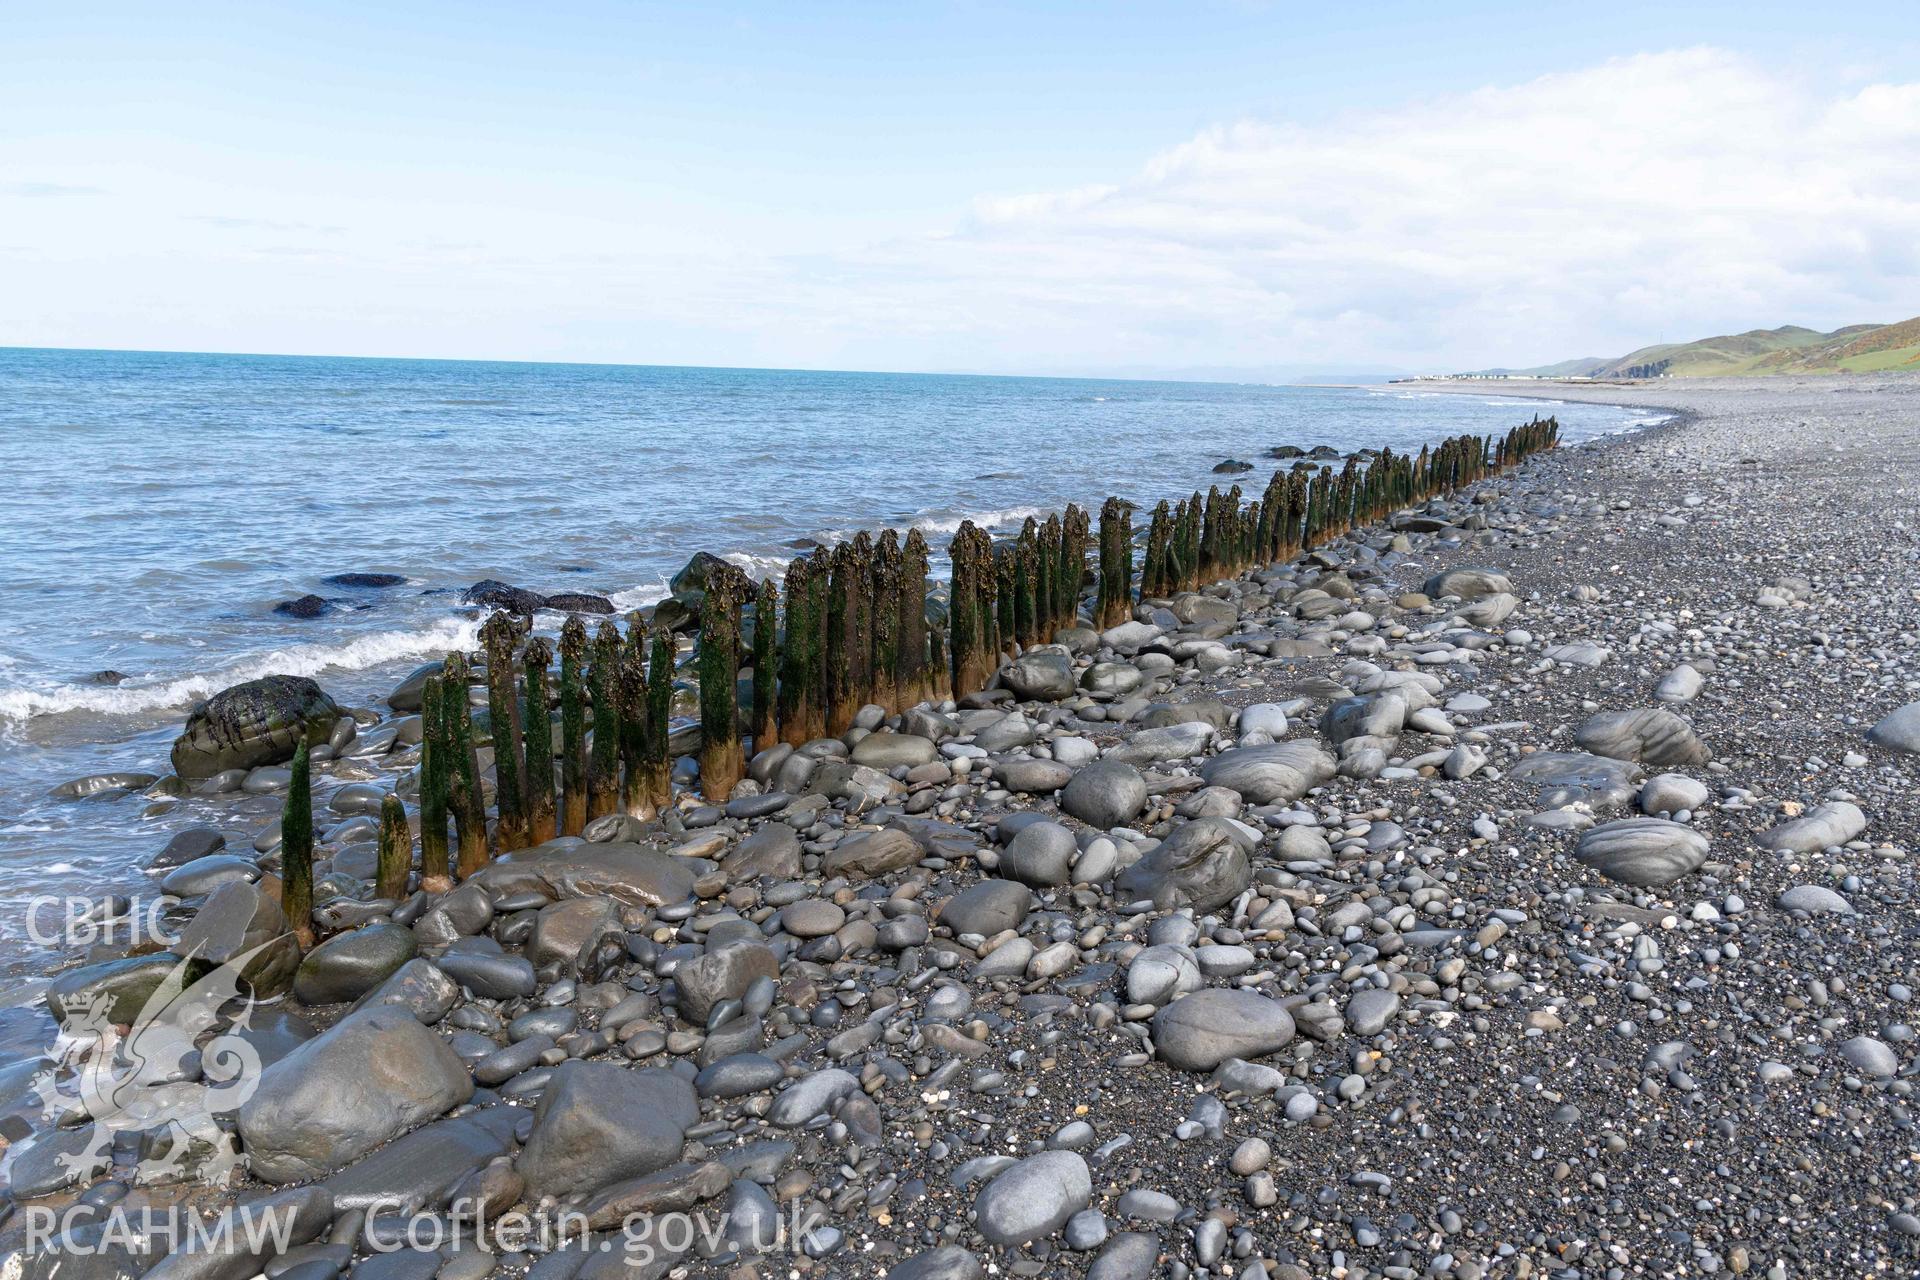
(375, 650)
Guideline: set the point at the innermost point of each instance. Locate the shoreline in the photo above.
(1482, 978)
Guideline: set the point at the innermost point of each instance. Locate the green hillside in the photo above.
(1858, 348)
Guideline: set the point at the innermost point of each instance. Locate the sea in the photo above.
(161, 505)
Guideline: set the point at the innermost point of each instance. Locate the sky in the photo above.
(1225, 189)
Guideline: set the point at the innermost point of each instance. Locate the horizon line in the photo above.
(1249, 380)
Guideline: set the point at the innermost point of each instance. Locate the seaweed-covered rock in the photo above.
(257, 723)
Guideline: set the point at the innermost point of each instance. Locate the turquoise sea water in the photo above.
(160, 505)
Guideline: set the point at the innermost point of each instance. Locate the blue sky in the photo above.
(1133, 188)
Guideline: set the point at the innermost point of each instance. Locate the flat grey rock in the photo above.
(1201, 1031)
(1644, 852)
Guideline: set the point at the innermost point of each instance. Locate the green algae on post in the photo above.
(603, 689)
(541, 826)
(503, 717)
(573, 727)
(436, 755)
(766, 608)
(1115, 599)
(463, 767)
(915, 666)
(721, 762)
(883, 682)
(656, 774)
(632, 695)
(395, 857)
(296, 848)
(799, 655)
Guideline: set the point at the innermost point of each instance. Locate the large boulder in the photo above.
(723, 973)
(239, 922)
(987, 908)
(348, 965)
(1468, 584)
(1104, 794)
(1653, 735)
(1033, 1198)
(1644, 852)
(117, 990)
(1198, 1032)
(875, 853)
(1577, 777)
(260, 722)
(1278, 771)
(1826, 826)
(599, 1123)
(373, 1076)
(1203, 864)
(1040, 675)
(1898, 730)
(1041, 855)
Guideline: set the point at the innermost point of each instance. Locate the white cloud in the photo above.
(1666, 196)
(1673, 194)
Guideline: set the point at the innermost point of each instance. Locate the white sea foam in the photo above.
(1009, 516)
(358, 654)
(639, 597)
(758, 566)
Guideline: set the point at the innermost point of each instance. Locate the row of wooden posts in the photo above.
(856, 631)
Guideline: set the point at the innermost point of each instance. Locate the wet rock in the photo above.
(240, 923)
(599, 1123)
(871, 854)
(101, 783)
(633, 874)
(348, 965)
(579, 602)
(371, 1077)
(1578, 776)
(257, 723)
(307, 606)
(117, 990)
(490, 593)
(722, 974)
(188, 845)
(1645, 852)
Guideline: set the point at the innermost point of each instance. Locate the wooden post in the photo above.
(296, 849)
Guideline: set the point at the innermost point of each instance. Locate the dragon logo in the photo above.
(156, 1076)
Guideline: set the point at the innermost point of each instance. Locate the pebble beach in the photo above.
(1520, 886)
